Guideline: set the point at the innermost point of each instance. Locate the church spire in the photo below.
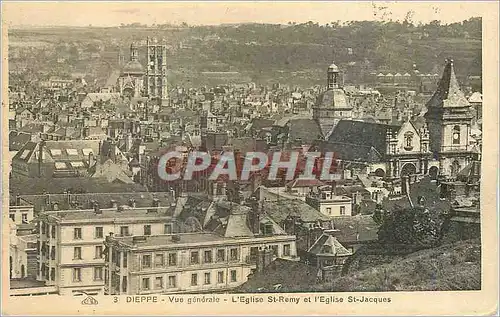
(448, 93)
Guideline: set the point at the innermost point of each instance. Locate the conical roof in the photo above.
(448, 93)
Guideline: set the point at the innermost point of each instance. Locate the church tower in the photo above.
(156, 72)
(131, 80)
(332, 105)
(449, 120)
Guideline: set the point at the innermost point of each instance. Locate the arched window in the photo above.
(456, 134)
(455, 168)
(408, 140)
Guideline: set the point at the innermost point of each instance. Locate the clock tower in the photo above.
(449, 120)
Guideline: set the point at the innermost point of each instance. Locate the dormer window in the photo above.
(408, 142)
(456, 134)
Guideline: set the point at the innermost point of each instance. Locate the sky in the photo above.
(17, 14)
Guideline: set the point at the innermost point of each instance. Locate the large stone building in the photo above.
(449, 119)
(190, 262)
(131, 80)
(333, 104)
(218, 258)
(388, 151)
(73, 227)
(439, 145)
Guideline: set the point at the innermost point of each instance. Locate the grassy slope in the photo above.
(449, 267)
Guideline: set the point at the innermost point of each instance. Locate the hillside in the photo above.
(292, 53)
(449, 267)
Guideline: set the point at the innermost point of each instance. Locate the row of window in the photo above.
(172, 280)
(24, 217)
(77, 252)
(194, 258)
(98, 274)
(124, 231)
(342, 210)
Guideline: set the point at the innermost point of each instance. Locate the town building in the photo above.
(216, 254)
(73, 227)
(190, 262)
(329, 204)
(389, 151)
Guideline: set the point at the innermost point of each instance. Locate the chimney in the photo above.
(264, 258)
(91, 159)
(47, 199)
(114, 204)
(132, 203)
(156, 202)
(68, 197)
(18, 200)
(40, 157)
(97, 209)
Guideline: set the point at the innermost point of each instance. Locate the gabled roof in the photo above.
(280, 209)
(17, 141)
(448, 93)
(335, 248)
(306, 130)
(364, 134)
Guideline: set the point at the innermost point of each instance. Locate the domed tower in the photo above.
(131, 79)
(333, 104)
(333, 77)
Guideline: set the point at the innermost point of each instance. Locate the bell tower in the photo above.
(449, 121)
(333, 77)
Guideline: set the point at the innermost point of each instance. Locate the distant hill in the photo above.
(278, 52)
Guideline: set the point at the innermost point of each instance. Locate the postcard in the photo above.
(250, 158)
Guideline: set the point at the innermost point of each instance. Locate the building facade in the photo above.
(189, 262)
(449, 119)
(71, 241)
(131, 80)
(330, 204)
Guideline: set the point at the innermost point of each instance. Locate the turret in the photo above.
(333, 77)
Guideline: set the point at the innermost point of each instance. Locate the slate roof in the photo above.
(333, 99)
(357, 228)
(280, 209)
(259, 123)
(353, 152)
(448, 93)
(18, 140)
(29, 186)
(84, 201)
(335, 247)
(307, 130)
(366, 134)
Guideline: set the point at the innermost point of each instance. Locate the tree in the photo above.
(411, 226)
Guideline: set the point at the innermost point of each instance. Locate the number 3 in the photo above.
(115, 299)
